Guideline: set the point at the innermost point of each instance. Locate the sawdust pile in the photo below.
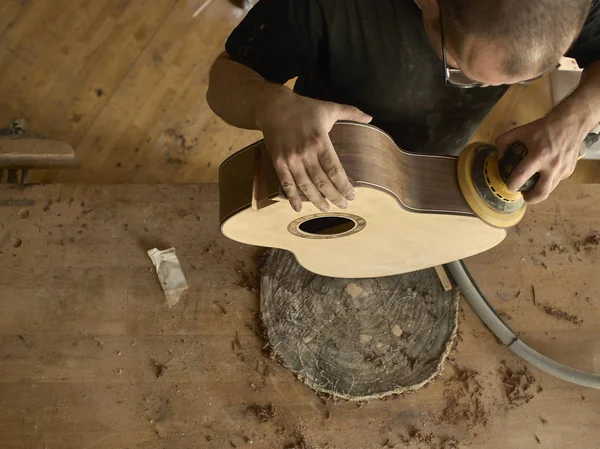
(248, 280)
(263, 413)
(419, 438)
(588, 244)
(517, 383)
(561, 314)
(463, 393)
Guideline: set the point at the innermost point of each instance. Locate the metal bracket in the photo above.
(17, 128)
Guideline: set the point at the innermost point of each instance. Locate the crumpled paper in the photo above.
(170, 274)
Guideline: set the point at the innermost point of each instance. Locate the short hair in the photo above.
(533, 33)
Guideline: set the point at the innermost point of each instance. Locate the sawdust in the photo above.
(159, 369)
(561, 314)
(221, 308)
(592, 240)
(263, 413)
(555, 247)
(298, 444)
(418, 438)
(588, 244)
(236, 343)
(505, 315)
(257, 326)
(247, 280)
(517, 384)
(463, 395)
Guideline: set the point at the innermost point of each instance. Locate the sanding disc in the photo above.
(489, 198)
(357, 339)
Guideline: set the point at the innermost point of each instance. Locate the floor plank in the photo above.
(62, 61)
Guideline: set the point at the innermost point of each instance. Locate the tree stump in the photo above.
(357, 339)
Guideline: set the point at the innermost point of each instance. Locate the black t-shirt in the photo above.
(375, 55)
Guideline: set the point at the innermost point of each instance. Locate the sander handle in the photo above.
(517, 152)
(513, 157)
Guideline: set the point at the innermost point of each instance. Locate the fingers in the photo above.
(308, 176)
(316, 173)
(330, 163)
(288, 184)
(545, 185)
(345, 112)
(549, 180)
(308, 187)
(522, 172)
(504, 141)
(307, 162)
(324, 185)
(303, 176)
(295, 180)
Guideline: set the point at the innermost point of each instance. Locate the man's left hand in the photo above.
(552, 151)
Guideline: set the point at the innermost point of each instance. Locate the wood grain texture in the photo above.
(83, 321)
(392, 241)
(370, 158)
(357, 339)
(420, 182)
(520, 105)
(122, 81)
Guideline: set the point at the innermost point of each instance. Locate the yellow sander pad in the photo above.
(484, 189)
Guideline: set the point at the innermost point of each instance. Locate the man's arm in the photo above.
(554, 141)
(277, 41)
(239, 95)
(296, 131)
(585, 100)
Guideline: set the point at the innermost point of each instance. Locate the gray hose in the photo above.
(487, 314)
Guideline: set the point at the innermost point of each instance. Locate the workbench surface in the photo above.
(91, 356)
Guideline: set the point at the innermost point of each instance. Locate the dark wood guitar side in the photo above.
(420, 183)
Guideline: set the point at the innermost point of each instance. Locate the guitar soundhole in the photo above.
(327, 225)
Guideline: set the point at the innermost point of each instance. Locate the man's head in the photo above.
(504, 41)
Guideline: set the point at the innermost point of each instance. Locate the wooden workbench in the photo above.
(91, 356)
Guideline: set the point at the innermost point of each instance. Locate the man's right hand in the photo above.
(296, 131)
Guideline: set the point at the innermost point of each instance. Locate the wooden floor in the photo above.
(91, 356)
(124, 82)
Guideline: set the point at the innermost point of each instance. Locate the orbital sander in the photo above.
(482, 179)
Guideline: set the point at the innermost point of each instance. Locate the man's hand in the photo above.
(553, 148)
(296, 131)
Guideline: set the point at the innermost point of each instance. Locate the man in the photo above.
(427, 72)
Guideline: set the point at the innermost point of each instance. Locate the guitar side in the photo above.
(420, 183)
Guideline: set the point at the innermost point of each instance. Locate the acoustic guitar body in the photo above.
(408, 214)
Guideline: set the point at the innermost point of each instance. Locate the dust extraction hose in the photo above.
(487, 314)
